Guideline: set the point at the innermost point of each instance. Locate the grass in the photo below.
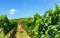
(1, 35)
(21, 34)
(18, 34)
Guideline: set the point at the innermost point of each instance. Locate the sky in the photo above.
(25, 8)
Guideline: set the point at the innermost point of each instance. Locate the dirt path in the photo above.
(19, 33)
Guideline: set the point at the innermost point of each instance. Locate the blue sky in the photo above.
(25, 8)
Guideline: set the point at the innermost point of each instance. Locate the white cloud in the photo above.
(12, 11)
